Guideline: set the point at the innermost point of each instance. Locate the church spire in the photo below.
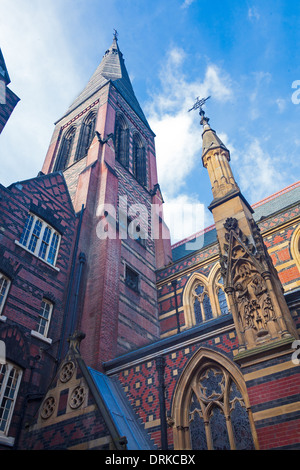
(111, 69)
(216, 158)
(253, 289)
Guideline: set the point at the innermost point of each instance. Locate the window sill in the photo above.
(38, 335)
(41, 259)
(7, 441)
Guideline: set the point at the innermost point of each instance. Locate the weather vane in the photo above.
(198, 105)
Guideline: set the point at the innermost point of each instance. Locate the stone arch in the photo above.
(187, 306)
(121, 140)
(202, 360)
(66, 148)
(213, 289)
(139, 164)
(87, 133)
(295, 246)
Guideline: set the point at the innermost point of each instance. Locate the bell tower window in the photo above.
(65, 150)
(139, 160)
(86, 136)
(122, 141)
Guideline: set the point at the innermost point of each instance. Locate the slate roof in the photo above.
(262, 209)
(111, 69)
(120, 412)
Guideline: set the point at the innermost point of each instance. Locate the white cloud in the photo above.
(281, 103)
(187, 3)
(179, 137)
(184, 215)
(179, 140)
(253, 14)
(40, 60)
(258, 172)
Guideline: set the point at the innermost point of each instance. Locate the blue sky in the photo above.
(242, 53)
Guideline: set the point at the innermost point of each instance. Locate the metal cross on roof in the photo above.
(198, 104)
(116, 34)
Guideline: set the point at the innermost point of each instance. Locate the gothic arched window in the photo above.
(86, 136)
(139, 160)
(122, 141)
(211, 408)
(204, 298)
(65, 150)
(201, 303)
(220, 296)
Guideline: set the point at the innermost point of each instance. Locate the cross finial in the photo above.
(116, 34)
(198, 105)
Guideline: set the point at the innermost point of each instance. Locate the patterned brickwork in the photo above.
(273, 389)
(32, 280)
(141, 385)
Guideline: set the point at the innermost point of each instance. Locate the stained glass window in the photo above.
(218, 418)
(201, 303)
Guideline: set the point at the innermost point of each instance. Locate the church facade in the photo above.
(111, 338)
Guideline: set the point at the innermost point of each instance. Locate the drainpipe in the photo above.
(61, 343)
(74, 315)
(160, 366)
(174, 285)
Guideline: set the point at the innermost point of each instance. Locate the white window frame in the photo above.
(45, 302)
(34, 239)
(3, 295)
(12, 399)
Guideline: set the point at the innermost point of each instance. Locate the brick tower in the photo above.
(105, 148)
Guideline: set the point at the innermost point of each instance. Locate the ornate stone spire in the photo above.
(216, 158)
(256, 301)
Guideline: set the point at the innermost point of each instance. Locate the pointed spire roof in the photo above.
(209, 136)
(112, 68)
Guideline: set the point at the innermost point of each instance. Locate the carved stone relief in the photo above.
(247, 280)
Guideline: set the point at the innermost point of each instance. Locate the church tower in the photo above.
(261, 316)
(105, 148)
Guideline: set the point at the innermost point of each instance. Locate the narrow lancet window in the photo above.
(65, 150)
(139, 160)
(122, 141)
(87, 133)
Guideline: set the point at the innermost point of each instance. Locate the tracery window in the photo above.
(201, 303)
(204, 298)
(139, 160)
(217, 412)
(122, 141)
(220, 296)
(65, 150)
(295, 246)
(211, 409)
(86, 136)
(10, 378)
